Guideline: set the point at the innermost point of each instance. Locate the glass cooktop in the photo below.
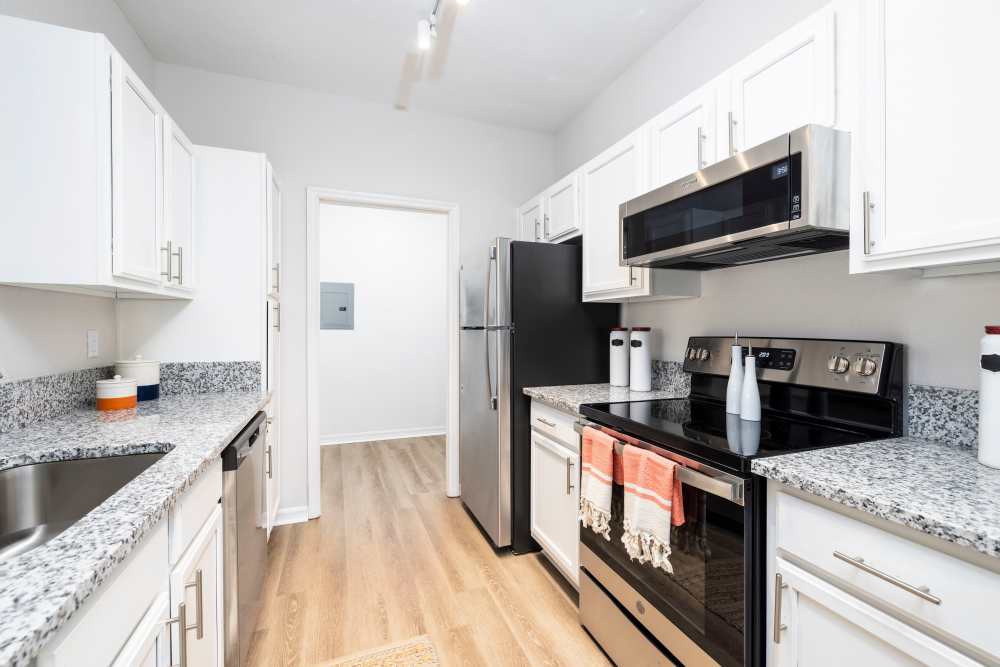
(703, 428)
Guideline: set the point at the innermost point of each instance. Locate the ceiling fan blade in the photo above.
(447, 13)
(411, 74)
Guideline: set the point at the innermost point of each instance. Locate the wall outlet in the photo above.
(93, 344)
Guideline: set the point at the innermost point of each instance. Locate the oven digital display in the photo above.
(778, 358)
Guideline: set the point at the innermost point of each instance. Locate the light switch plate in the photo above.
(93, 344)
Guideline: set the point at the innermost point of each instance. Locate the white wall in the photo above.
(940, 320)
(93, 16)
(388, 377)
(314, 138)
(45, 332)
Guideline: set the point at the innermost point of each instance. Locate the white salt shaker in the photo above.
(750, 398)
(734, 388)
(619, 357)
(640, 362)
(989, 398)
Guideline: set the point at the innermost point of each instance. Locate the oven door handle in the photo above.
(706, 478)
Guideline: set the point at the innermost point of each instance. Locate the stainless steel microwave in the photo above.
(787, 197)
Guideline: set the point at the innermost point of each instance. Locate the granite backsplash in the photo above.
(29, 401)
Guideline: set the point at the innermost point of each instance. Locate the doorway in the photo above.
(382, 325)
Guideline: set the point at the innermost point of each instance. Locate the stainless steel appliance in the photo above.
(522, 324)
(787, 197)
(710, 611)
(244, 536)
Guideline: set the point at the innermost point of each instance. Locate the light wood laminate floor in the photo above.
(392, 557)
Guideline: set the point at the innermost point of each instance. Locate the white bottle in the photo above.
(735, 387)
(750, 399)
(989, 398)
(640, 363)
(619, 357)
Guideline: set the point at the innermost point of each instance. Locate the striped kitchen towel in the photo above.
(596, 475)
(653, 502)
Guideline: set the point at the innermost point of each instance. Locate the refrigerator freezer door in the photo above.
(500, 306)
(479, 457)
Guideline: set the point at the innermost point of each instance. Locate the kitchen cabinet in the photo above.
(561, 209)
(612, 178)
(788, 83)
(682, 139)
(555, 491)
(529, 220)
(273, 233)
(84, 191)
(196, 582)
(149, 645)
(920, 165)
(179, 215)
(272, 461)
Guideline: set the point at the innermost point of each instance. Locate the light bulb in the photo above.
(423, 34)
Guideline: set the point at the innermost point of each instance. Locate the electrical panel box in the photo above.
(336, 305)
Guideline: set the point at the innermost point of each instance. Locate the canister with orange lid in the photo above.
(117, 393)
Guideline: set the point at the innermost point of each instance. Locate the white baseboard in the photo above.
(394, 434)
(287, 515)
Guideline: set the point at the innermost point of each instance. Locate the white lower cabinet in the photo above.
(555, 494)
(196, 583)
(149, 645)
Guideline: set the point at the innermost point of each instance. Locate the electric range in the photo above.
(710, 610)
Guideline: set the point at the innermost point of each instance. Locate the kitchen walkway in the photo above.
(392, 558)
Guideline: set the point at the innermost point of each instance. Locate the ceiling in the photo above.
(522, 63)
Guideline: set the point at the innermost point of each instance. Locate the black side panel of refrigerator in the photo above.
(557, 339)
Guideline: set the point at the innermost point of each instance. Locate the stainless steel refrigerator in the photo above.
(523, 324)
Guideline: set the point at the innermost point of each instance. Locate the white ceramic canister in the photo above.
(619, 357)
(734, 387)
(146, 374)
(989, 398)
(750, 394)
(640, 362)
(117, 393)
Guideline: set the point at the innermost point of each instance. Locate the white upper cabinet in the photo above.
(561, 209)
(682, 139)
(88, 176)
(529, 220)
(179, 207)
(613, 177)
(788, 83)
(922, 164)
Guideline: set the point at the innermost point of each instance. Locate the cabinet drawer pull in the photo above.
(569, 476)
(546, 422)
(922, 592)
(182, 627)
(199, 614)
(779, 586)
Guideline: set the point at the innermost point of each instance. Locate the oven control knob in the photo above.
(703, 354)
(838, 364)
(864, 366)
(692, 353)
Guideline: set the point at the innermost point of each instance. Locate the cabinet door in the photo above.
(273, 241)
(923, 163)
(272, 482)
(137, 178)
(197, 581)
(788, 83)
(611, 179)
(561, 215)
(682, 138)
(529, 217)
(554, 501)
(825, 626)
(149, 645)
(179, 206)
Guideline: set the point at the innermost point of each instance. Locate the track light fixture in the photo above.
(427, 28)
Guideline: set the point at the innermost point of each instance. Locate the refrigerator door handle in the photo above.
(490, 393)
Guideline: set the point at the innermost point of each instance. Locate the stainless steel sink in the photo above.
(39, 501)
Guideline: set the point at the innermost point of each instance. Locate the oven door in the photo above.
(703, 613)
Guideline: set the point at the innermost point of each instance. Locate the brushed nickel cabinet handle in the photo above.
(922, 592)
(276, 269)
(545, 225)
(866, 216)
(569, 476)
(199, 614)
(732, 143)
(182, 627)
(538, 226)
(701, 157)
(180, 264)
(169, 251)
(779, 586)
(546, 422)
(269, 462)
(277, 317)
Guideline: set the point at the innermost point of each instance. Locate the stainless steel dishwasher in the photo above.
(245, 536)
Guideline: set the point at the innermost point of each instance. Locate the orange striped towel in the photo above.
(653, 502)
(596, 476)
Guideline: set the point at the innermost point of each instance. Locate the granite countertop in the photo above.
(41, 589)
(934, 487)
(571, 396)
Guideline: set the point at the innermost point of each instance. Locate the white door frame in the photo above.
(315, 197)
